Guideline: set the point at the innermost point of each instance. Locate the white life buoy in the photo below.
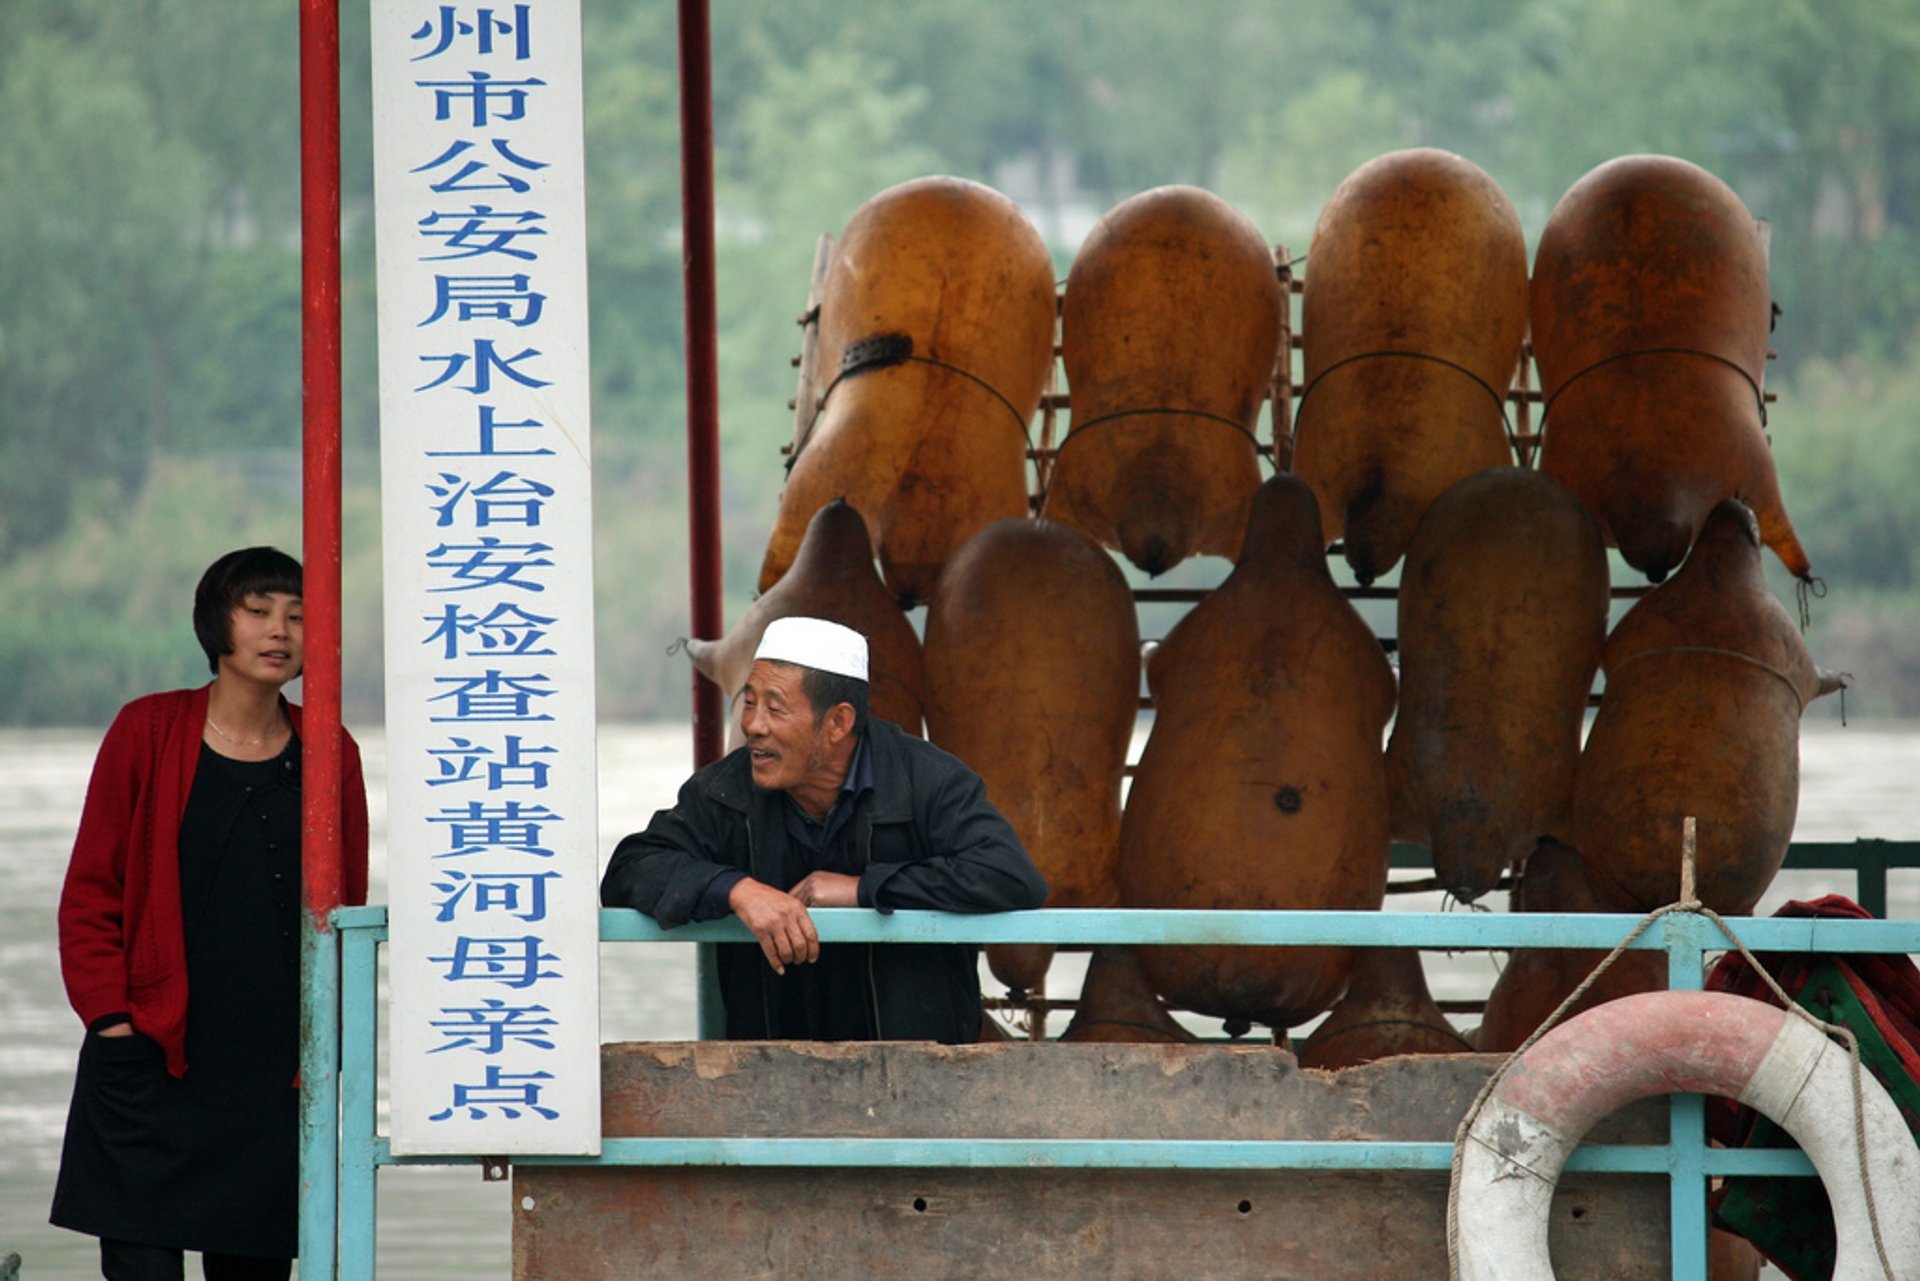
(1667, 1042)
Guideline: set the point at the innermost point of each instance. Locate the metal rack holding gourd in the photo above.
(1284, 390)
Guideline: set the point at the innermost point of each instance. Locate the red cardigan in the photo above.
(122, 946)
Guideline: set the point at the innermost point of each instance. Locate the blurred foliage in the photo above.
(149, 253)
(1845, 441)
(1849, 461)
(103, 612)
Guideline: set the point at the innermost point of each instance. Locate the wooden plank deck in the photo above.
(585, 1223)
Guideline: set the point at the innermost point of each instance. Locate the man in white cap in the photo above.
(827, 807)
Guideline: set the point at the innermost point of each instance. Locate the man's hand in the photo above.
(778, 920)
(828, 889)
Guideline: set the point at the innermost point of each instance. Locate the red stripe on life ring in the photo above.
(1628, 1050)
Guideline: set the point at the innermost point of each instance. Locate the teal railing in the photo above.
(338, 1221)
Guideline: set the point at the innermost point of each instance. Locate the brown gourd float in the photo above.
(1651, 316)
(1502, 613)
(1033, 679)
(1536, 980)
(833, 578)
(1117, 1003)
(1263, 784)
(1706, 679)
(936, 331)
(1387, 1010)
(1169, 329)
(1414, 311)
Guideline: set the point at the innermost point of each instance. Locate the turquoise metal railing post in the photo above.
(1686, 1115)
(319, 1100)
(359, 1088)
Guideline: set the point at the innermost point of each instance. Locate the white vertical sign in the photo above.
(485, 466)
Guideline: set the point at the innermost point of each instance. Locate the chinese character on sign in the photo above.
(463, 178)
(464, 761)
(489, 447)
(488, 562)
(505, 298)
(507, 499)
(482, 230)
(507, 631)
(485, 25)
(492, 696)
(497, 1093)
(519, 894)
(485, 361)
(489, 1026)
(476, 828)
(489, 100)
(510, 962)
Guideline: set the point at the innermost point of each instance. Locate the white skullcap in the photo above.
(815, 643)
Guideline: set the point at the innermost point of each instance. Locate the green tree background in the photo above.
(149, 256)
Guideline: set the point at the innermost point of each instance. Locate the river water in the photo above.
(443, 1224)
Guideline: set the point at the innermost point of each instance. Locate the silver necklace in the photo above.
(237, 742)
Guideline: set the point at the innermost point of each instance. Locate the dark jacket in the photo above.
(925, 837)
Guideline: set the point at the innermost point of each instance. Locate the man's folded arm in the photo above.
(978, 864)
(672, 871)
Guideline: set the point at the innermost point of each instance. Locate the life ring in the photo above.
(1667, 1042)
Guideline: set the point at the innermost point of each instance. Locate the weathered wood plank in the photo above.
(582, 1224)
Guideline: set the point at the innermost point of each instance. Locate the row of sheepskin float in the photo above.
(1264, 782)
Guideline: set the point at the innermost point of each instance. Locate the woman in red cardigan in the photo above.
(179, 942)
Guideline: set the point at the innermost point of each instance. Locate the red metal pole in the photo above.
(320, 447)
(703, 369)
(320, 768)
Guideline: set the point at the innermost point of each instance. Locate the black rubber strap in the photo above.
(885, 357)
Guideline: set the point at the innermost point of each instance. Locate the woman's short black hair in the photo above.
(230, 580)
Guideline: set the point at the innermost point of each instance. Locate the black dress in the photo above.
(208, 1161)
